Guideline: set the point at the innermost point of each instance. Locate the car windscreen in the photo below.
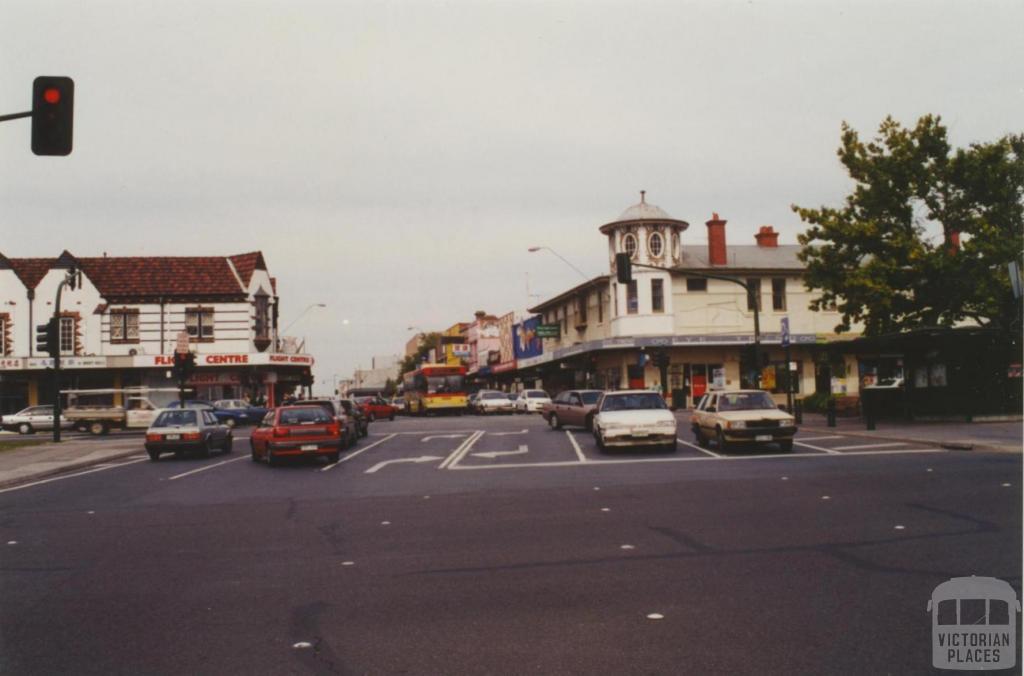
(313, 415)
(536, 394)
(229, 403)
(437, 384)
(590, 398)
(745, 401)
(494, 395)
(633, 402)
(175, 418)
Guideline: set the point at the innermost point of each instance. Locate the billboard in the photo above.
(506, 352)
(527, 342)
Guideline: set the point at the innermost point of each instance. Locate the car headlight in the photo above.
(614, 426)
(786, 422)
(737, 425)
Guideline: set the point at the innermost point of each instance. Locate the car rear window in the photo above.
(590, 397)
(175, 418)
(493, 395)
(633, 402)
(303, 416)
(536, 394)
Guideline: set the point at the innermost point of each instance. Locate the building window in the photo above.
(632, 302)
(600, 306)
(655, 244)
(124, 326)
(629, 244)
(67, 335)
(779, 294)
(581, 317)
(753, 293)
(615, 300)
(696, 284)
(262, 316)
(199, 323)
(565, 320)
(657, 295)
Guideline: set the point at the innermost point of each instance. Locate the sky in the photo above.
(395, 160)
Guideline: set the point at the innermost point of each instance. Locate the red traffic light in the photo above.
(53, 111)
(51, 95)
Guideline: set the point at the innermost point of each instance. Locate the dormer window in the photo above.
(629, 244)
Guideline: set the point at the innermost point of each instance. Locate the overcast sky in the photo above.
(394, 160)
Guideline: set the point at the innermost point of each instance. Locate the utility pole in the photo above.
(72, 279)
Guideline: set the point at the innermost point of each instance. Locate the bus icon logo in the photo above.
(974, 624)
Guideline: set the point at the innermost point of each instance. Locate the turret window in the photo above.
(629, 244)
(655, 244)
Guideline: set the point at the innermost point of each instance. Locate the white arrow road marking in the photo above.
(505, 434)
(443, 436)
(459, 453)
(353, 455)
(494, 454)
(422, 458)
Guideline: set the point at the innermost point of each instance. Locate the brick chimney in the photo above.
(767, 237)
(716, 240)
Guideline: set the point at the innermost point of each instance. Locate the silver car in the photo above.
(27, 421)
(177, 431)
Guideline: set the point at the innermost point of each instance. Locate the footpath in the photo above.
(24, 463)
(1006, 436)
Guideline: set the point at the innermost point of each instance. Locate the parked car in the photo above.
(228, 416)
(634, 418)
(492, 401)
(471, 401)
(572, 407)
(295, 431)
(356, 412)
(251, 414)
(399, 404)
(96, 411)
(350, 425)
(531, 401)
(180, 430)
(749, 416)
(28, 420)
(376, 407)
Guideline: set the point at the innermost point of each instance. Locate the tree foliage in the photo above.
(887, 258)
(428, 341)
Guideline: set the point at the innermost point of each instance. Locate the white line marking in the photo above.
(897, 451)
(817, 448)
(444, 436)
(380, 465)
(860, 446)
(391, 434)
(505, 434)
(702, 450)
(523, 448)
(576, 446)
(69, 476)
(203, 469)
(834, 436)
(361, 450)
(461, 451)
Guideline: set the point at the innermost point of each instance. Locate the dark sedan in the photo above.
(177, 431)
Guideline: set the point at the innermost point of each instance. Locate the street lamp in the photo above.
(301, 315)
(534, 249)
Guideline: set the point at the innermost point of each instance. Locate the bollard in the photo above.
(798, 411)
(830, 412)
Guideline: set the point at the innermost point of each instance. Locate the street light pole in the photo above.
(295, 321)
(534, 249)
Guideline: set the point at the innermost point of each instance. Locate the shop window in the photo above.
(199, 323)
(696, 284)
(779, 294)
(657, 295)
(67, 335)
(753, 293)
(774, 377)
(632, 301)
(124, 326)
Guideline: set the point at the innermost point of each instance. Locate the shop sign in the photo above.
(504, 367)
(215, 378)
(68, 363)
(718, 378)
(527, 343)
(10, 362)
(549, 330)
(227, 359)
(460, 350)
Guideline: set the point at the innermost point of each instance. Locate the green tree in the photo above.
(889, 257)
(427, 342)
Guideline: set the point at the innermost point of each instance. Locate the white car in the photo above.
(742, 416)
(531, 401)
(28, 420)
(634, 418)
(492, 401)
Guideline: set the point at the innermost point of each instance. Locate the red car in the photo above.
(376, 407)
(293, 431)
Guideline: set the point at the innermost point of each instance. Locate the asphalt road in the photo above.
(498, 546)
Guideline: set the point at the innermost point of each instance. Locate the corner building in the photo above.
(615, 335)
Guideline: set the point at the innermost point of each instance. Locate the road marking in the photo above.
(494, 454)
(576, 446)
(861, 446)
(421, 432)
(380, 465)
(444, 436)
(655, 616)
(203, 469)
(834, 436)
(817, 448)
(70, 476)
(627, 547)
(361, 450)
(898, 451)
(505, 434)
(460, 452)
(702, 450)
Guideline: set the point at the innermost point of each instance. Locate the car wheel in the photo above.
(786, 446)
(333, 458)
(228, 443)
(672, 446)
(252, 452)
(230, 422)
(554, 422)
(25, 428)
(154, 455)
(702, 440)
(720, 439)
(588, 423)
(600, 440)
(97, 429)
(207, 447)
(271, 461)
(391, 417)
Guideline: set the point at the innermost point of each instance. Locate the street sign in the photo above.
(784, 324)
(182, 346)
(549, 330)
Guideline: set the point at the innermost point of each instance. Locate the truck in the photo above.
(94, 410)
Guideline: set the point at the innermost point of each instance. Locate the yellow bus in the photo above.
(435, 388)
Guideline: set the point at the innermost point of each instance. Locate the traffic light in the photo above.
(184, 365)
(53, 107)
(48, 337)
(623, 268)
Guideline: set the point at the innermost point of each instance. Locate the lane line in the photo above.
(857, 447)
(70, 476)
(361, 450)
(702, 450)
(833, 436)
(817, 448)
(391, 434)
(579, 451)
(206, 467)
(456, 457)
(897, 451)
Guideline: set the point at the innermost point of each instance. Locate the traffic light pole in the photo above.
(57, 409)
